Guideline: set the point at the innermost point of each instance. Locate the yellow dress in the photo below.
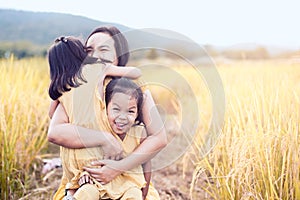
(86, 109)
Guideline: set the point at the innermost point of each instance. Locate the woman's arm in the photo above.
(157, 137)
(62, 133)
(129, 72)
(156, 141)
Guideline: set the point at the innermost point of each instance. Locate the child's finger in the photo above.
(81, 181)
(91, 181)
(87, 179)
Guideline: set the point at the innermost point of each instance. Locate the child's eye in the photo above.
(131, 111)
(116, 109)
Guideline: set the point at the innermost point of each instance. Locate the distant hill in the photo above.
(41, 28)
(26, 33)
(34, 32)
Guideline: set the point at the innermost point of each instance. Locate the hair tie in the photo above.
(62, 39)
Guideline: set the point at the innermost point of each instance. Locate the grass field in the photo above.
(257, 155)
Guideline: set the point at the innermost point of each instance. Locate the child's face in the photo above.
(121, 112)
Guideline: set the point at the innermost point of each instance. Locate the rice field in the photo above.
(256, 155)
(23, 123)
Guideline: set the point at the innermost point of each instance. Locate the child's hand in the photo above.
(84, 180)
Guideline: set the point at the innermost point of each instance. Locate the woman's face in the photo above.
(101, 45)
(121, 112)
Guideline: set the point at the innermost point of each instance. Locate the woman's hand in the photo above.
(112, 149)
(109, 169)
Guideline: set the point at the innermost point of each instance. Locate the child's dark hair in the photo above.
(65, 58)
(126, 86)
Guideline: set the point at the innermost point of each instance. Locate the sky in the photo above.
(222, 23)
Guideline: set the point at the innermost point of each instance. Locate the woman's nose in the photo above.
(93, 54)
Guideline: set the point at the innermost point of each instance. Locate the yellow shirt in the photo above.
(86, 109)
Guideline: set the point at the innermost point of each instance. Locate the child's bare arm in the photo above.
(129, 72)
(52, 108)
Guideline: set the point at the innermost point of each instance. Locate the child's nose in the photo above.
(122, 116)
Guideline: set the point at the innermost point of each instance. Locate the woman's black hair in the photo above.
(121, 44)
(65, 58)
(126, 86)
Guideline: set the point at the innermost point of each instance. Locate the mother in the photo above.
(108, 44)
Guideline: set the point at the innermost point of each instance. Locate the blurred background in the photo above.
(236, 59)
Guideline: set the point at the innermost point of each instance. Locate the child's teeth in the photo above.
(120, 124)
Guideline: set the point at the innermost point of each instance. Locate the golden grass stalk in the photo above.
(23, 120)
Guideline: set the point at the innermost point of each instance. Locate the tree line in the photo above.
(24, 49)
